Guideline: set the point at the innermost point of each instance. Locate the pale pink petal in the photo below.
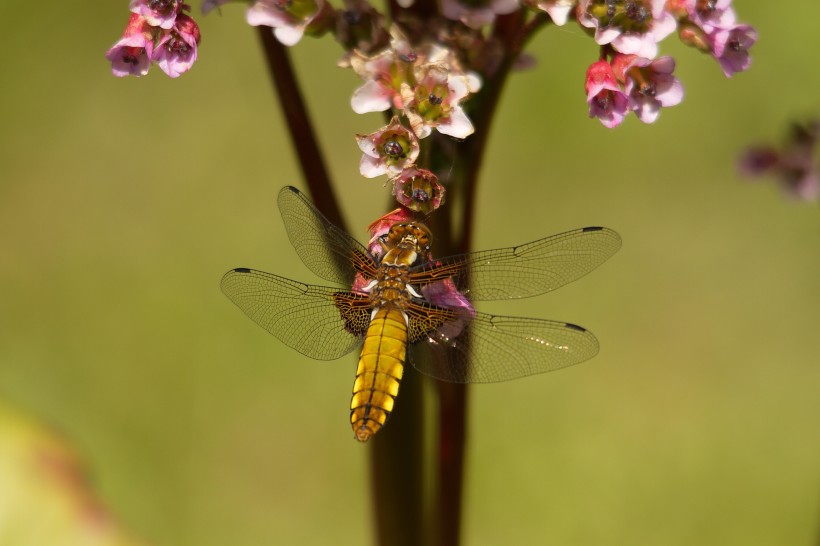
(258, 15)
(559, 13)
(371, 167)
(371, 97)
(604, 36)
(289, 35)
(457, 125)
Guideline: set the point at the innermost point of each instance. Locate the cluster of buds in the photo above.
(157, 31)
(796, 165)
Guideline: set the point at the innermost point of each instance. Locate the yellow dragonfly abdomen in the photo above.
(381, 365)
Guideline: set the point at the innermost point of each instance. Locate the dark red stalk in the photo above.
(396, 454)
(513, 31)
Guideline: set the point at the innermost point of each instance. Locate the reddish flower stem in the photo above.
(396, 455)
(514, 31)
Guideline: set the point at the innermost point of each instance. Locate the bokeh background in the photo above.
(122, 202)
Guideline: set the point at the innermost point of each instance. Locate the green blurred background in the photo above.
(122, 202)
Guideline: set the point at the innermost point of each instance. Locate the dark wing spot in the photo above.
(575, 327)
(242, 270)
(593, 228)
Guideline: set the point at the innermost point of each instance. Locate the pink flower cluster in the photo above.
(633, 79)
(157, 31)
(427, 86)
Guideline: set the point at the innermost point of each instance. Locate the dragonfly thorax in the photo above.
(404, 246)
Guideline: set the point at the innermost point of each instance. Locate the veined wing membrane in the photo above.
(525, 270)
(302, 316)
(324, 248)
(499, 348)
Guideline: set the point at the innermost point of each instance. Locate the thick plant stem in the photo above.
(396, 454)
(300, 127)
(396, 470)
(466, 166)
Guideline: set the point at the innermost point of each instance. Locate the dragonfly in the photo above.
(399, 298)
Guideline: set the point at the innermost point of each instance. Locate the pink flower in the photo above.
(288, 18)
(383, 73)
(435, 101)
(631, 26)
(131, 54)
(388, 150)
(177, 49)
(796, 165)
(158, 13)
(731, 48)
(558, 10)
(606, 100)
(649, 84)
(477, 13)
(418, 190)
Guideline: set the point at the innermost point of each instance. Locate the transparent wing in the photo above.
(526, 270)
(497, 348)
(302, 316)
(325, 249)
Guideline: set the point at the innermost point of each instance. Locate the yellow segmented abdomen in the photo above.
(380, 369)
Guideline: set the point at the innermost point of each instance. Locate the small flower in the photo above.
(383, 73)
(606, 100)
(418, 190)
(631, 26)
(132, 53)
(388, 150)
(435, 101)
(558, 10)
(158, 13)
(731, 48)
(380, 227)
(288, 18)
(477, 13)
(177, 49)
(797, 165)
(649, 84)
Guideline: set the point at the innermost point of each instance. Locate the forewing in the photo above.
(324, 248)
(497, 348)
(525, 270)
(320, 322)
